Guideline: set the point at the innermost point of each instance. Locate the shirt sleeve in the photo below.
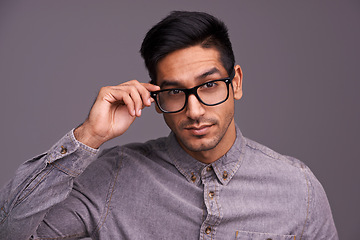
(39, 184)
(320, 223)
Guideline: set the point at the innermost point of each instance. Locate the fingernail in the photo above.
(149, 101)
(139, 112)
(133, 113)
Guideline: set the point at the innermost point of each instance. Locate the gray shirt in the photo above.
(155, 190)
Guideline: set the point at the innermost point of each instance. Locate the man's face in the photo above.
(199, 128)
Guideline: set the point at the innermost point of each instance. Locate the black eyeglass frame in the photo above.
(193, 90)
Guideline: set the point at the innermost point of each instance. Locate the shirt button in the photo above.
(63, 150)
(269, 239)
(209, 168)
(208, 230)
(211, 194)
(193, 178)
(225, 175)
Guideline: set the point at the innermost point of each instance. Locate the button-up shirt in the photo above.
(155, 190)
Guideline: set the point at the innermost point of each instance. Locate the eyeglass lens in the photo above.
(210, 93)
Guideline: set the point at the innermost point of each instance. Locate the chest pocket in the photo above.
(242, 235)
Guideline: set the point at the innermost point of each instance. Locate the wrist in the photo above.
(85, 136)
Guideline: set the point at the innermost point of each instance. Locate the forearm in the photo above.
(39, 184)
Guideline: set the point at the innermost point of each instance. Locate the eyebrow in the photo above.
(210, 72)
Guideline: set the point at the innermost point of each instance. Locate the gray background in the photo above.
(301, 87)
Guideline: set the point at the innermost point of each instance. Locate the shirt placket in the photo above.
(212, 204)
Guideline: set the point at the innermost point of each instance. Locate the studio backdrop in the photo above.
(300, 61)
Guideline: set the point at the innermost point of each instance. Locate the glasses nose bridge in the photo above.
(191, 91)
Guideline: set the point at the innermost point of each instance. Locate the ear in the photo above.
(237, 83)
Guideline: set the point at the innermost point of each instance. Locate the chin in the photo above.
(200, 145)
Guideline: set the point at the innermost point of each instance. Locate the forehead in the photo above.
(185, 65)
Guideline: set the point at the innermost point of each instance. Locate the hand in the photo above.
(114, 110)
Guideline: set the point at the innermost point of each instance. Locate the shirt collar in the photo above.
(224, 168)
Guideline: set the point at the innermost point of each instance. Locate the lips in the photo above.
(199, 130)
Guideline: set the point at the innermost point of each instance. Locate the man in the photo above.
(203, 181)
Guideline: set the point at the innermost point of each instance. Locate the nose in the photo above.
(194, 108)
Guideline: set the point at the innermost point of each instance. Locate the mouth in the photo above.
(199, 130)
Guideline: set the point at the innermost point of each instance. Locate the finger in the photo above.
(129, 103)
(151, 87)
(137, 99)
(146, 93)
(140, 95)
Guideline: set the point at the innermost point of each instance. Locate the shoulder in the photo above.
(265, 157)
(262, 156)
(295, 180)
(289, 172)
(263, 153)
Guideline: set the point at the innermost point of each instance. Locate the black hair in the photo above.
(182, 29)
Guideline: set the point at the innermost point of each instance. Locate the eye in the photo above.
(209, 85)
(174, 92)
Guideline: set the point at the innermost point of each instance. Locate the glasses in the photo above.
(210, 93)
